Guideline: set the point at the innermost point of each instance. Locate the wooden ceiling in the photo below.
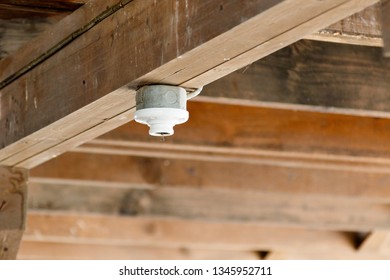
(287, 157)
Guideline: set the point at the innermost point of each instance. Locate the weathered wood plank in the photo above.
(21, 21)
(67, 5)
(17, 32)
(386, 27)
(255, 131)
(236, 155)
(174, 62)
(265, 176)
(218, 205)
(60, 251)
(288, 37)
(363, 28)
(376, 242)
(13, 202)
(176, 233)
(314, 76)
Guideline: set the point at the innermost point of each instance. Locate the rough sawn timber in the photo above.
(77, 80)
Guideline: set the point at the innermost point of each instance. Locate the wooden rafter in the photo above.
(363, 28)
(312, 76)
(97, 92)
(13, 202)
(386, 26)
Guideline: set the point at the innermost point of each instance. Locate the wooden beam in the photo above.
(215, 204)
(67, 251)
(21, 20)
(254, 131)
(386, 27)
(97, 90)
(209, 153)
(35, 10)
(12, 210)
(312, 76)
(366, 187)
(159, 232)
(17, 32)
(363, 28)
(376, 242)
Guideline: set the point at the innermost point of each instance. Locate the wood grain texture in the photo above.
(363, 28)
(320, 76)
(99, 76)
(376, 242)
(214, 205)
(250, 128)
(175, 233)
(14, 33)
(13, 202)
(261, 177)
(82, 231)
(386, 27)
(68, 251)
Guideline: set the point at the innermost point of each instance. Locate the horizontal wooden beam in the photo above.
(214, 204)
(13, 202)
(253, 130)
(159, 232)
(367, 187)
(313, 76)
(68, 251)
(363, 28)
(97, 90)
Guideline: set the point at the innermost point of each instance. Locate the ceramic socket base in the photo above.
(161, 120)
(161, 107)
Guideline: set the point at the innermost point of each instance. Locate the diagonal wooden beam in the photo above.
(90, 62)
(311, 76)
(376, 242)
(13, 202)
(363, 28)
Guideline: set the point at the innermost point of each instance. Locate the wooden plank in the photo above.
(290, 36)
(236, 155)
(368, 187)
(312, 76)
(17, 32)
(386, 27)
(99, 78)
(21, 21)
(376, 242)
(363, 28)
(12, 210)
(271, 131)
(219, 205)
(62, 227)
(61, 251)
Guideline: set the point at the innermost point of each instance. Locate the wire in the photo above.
(191, 95)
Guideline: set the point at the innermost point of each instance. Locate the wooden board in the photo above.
(363, 28)
(386, 27)
(65, 227)
(214, 204)
(28, 79)
(13, 202)
(60, 251)
(312, 76)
